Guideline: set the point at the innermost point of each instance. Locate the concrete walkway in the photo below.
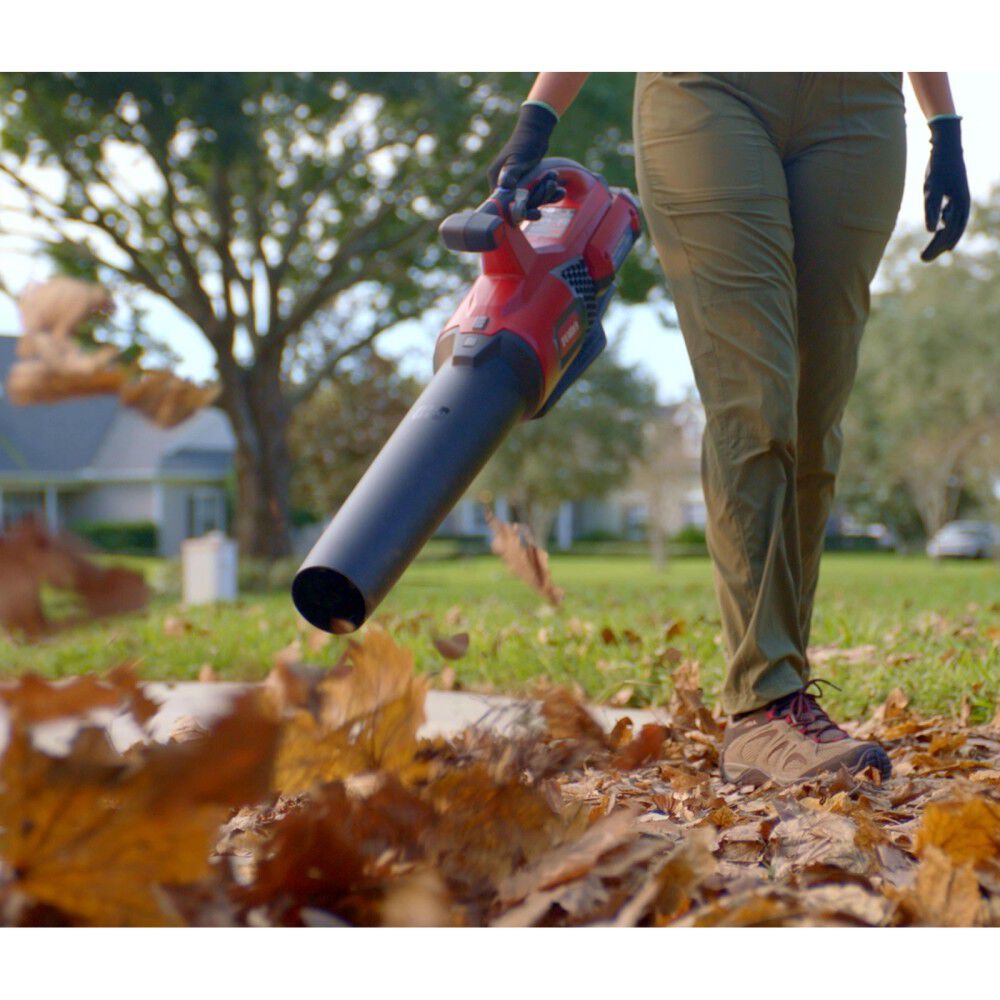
(448, 713)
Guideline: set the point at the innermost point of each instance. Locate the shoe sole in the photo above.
(873, 757)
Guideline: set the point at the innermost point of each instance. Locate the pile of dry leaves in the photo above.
(54, 363)
(315, 802)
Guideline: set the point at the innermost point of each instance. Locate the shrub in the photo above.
(689, 535)
(598, 535)
(135, 538)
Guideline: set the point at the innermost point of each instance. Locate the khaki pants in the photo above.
(770, 198)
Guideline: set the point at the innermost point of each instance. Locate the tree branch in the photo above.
(333, 283)
(201, 300)
(331, 363)
(140, 272)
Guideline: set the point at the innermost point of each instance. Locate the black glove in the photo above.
(523, 150)
(945, 178)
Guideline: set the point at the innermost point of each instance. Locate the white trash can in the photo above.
(208, 566)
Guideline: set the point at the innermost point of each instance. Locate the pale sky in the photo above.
(646, 340)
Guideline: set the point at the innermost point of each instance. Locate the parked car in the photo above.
(965, 540)
(846, 534)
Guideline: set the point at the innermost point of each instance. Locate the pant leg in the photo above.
(714, 195)
(845, 172)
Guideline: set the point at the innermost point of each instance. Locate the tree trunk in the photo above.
(657, 545)
(259, 414)
(541, 520)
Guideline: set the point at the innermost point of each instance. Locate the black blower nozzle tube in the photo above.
(477, 395)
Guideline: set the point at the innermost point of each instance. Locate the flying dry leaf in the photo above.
(31, 557)
(621, 734)
(674, 628)
(524, 558)
(31, 699)
(452, 647)
(336, 853)
(62, 370)
(53, 363)
(61, 305)
(686, 706)
(312, 755)
(622, 696)
(567, 719)
(176, 627)
(368, 712)
(292, 684)
(644, 749)
(125, 680)
(94, 835)
(111, 590)
(166, 399)
(378, 672)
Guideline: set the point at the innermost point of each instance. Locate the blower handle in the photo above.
(478, 230)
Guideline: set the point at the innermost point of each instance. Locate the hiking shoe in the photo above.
(790, 739)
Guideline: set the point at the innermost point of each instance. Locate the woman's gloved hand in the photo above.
(945, 179)
(525, 148)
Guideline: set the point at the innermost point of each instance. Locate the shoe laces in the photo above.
(801, 710)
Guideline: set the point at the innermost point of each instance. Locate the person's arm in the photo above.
(550, 96)
(933, 94)
(945, 183)
(557, 90)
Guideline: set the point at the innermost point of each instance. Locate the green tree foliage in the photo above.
(291, 218)
(337, 432)
(922, 433)
(581, 449)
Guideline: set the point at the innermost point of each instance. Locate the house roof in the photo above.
(50, 437)
(99, 439)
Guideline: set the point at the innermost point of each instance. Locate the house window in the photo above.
(205, 512)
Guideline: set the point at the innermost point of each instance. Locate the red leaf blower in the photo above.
(527, 329)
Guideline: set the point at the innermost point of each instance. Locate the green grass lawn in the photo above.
(935, 629)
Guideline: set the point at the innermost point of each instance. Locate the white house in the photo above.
(94, 460)
(665, 485)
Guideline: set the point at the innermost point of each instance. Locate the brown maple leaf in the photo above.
(368, 712)
(966, 829)
(687, 709)
(943, 894)
(567, 719)
(644, 749)
(61, 305)
(339, 853)
(95, 835)
(31, 557)
(164, 398)
(523, 556)
(53, 364)
(452, 647)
